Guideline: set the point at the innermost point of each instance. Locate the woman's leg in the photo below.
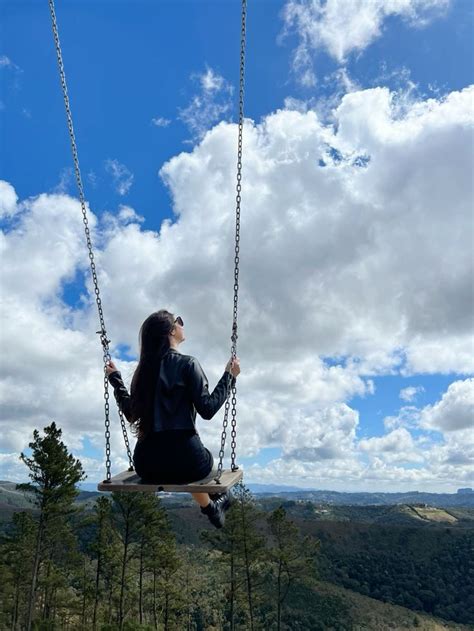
(202, 499)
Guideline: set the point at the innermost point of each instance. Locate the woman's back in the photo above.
(182, 389)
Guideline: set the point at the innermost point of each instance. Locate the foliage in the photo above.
(118, 566)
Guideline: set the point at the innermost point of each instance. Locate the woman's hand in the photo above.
(110, 367)
(233, 366)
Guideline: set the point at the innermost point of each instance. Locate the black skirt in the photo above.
(172, 456)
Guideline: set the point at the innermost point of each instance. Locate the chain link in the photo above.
(233, 388)
(102, 333)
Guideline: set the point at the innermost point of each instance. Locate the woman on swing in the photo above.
(167, 390)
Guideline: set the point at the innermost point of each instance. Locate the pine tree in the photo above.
(291, 556)
(152, 525)
(59, 562)
(250, 546)
(100, 546)
(17, 558)
(127, 510)
(203, 578)
(164, 563)
(54, 473)
(224, 542)
(243, 549)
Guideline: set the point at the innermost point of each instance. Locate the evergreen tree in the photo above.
(100, 547)
(126, 510)
(292, 557)
(243, 548)
(17, 561)
(204, 588)
(164, 564)
(152, 524)
(224, 543)
(250, 547)
(54, 473)
(59, 562)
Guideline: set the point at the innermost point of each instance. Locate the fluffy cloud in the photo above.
(8, 200)
(327, 434)
(454, 412)
(353, 247)
(396, 446)
(444, 442)
(397, 461)
(342, 26)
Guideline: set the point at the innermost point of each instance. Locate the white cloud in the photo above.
(396, 446)
(408, 416)
(362, 263)
(445, 440)
(327, 434)
(12, 468)
(380, 475)
(454, 353)
(121, 176)
(455, 454)
(6, 62)
(342, 26)
(336, 85)
(410, 393)
(160, 121)
(398, 440)
(211, 104)
(454, 412)
(8, 200)
(127, 214)
(211, 81)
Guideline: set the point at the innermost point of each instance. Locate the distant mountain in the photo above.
(276, 488)
(9, 496)
(255, 488)
(465, 499)
(88, 486)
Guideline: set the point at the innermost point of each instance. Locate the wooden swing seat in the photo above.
(129, 481)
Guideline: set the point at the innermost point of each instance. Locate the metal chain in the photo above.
(233, 389)
(102, 333)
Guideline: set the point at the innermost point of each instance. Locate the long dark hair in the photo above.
(154, 343)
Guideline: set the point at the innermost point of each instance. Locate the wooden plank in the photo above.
(129, 481)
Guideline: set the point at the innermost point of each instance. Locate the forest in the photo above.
(121, 563)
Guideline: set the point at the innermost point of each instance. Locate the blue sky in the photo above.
(147, 80)
(127, 63)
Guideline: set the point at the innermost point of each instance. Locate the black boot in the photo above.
(215, 496)
(224, 500)
(216, 509)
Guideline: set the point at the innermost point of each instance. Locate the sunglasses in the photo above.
(179, 320)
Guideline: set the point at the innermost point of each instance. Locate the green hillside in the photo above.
(369, 614)
(378, 566)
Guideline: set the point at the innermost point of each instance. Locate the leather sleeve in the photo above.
(206, 404)
(121, 394)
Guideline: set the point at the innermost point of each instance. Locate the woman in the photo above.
(167, 390)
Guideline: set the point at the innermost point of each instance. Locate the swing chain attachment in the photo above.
(233, 387)
(77, 171)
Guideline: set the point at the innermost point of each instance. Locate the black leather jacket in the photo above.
(182, 390)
